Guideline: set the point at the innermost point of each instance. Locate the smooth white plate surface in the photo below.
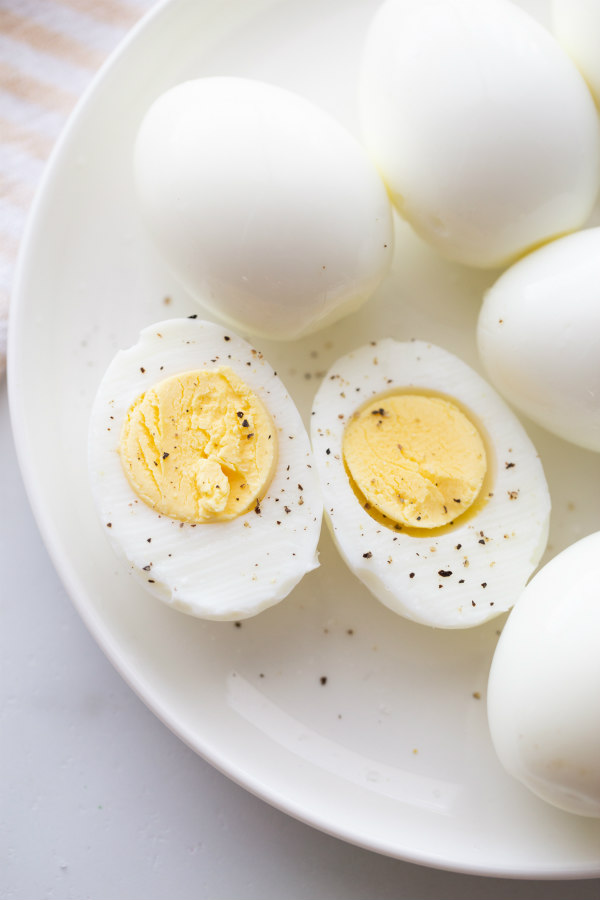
(392, 751)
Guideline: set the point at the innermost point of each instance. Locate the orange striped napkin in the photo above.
(49, 51)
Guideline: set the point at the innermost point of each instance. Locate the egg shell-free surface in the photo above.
(576, 24)
(222, 570)
(486, 559)
(544, 683)
(267, 209)
(481, 126)
(539, 337)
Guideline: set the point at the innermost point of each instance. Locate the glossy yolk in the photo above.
(417, 460)
(199, 446)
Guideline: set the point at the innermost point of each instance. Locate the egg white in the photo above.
(486, 557)
(268, 211)
(481, 126)
(544, 683)
(538, 336)
(219, 570)
(576, 24)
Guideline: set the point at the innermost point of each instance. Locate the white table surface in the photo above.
(100, 800)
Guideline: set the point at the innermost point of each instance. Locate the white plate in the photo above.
(392, 752)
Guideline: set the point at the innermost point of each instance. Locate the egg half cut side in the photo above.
(471, 566)
(245, 527)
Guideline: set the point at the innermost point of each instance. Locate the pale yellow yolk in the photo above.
(199, 446)
(417, 460)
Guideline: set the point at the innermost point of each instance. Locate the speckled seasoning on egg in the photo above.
(231, 560)
(462, 573)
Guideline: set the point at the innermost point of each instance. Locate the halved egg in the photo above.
(435, 495)
(202, 473)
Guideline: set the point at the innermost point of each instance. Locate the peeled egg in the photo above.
(576, 24)
(539, 337)
(481, 126)
(544, 682)
(268, 211)
(474, 565)
(201, 470)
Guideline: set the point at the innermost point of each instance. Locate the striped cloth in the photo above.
(49, 52)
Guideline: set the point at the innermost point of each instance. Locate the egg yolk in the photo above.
(417, 460)
(199, 446)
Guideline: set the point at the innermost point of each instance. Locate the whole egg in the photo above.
(268, 211)
(539, 336)
(576, 24)
(481, 126)
(544, 683)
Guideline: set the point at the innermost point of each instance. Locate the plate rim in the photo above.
(77, 592)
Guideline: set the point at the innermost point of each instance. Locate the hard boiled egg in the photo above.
(539, 337)
(201, 470)
(266, 208)
(576, 24)
(435, 495)
(544, 683)
(481, 126)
